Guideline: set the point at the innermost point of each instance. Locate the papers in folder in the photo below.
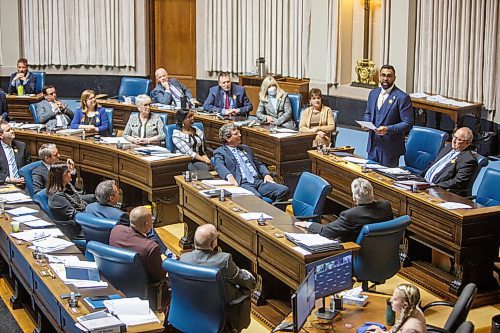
(15, 197)
(366, 124)
(454, 205)
(313, 242)
(132, 311)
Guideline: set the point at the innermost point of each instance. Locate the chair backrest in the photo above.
(40, 81)
(188, 311)
(335, 133)
(481, 163)
(296, 102)
(466, 327)
(169, 131)
(25, 172)
(310, 195)
(378, 258)
(109, 112)
(32, 108)
(487, 192)
(42, 200)
(95, 228)
(133, 86)
(461, 308)
(122, 267)
(422, 147)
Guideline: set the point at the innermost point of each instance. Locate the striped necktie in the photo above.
(12, 162)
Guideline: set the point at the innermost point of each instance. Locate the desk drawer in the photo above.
(283, 265)
(238, 231)
(263, 147)
(47, 299)
(382, 193)
(199, 207)
(99, 161)
(67, 323)
(22, 266)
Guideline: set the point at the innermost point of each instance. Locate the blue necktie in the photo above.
(244, 167)
(12, 162)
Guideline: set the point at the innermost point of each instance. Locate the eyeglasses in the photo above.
(459, 139)
(146, 105)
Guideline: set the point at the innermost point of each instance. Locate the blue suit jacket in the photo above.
(29, 84)
(226, 163)
(215, 100)
(160, 95)
(101, 114)
(107, 212)
(397, 114)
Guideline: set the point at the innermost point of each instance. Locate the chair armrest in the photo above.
(435, 329)
(158, 288)
(437, 303)
(315, 218)
(471, 197)
(239, 299)
(282, 204)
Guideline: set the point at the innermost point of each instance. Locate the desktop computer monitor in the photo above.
(331, 275)
(303, 302)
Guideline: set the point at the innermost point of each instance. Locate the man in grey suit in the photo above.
(48, 154)
(52, 112)
(107, 195)
(239, 282)
(170, 90)
(350, 222)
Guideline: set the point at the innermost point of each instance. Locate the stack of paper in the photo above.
(396, 171)
(114, 139)
(418, 95)
(313, 242)
(132, 311)
(408, 184)
(235, 190)
(255, 216)
(21, 211)
(34, 234)
(50, 244)
(355, 160)
(216, 182)
(99, 322)
(15, 197)
(60, 270)
(454, 205)
(70, 131)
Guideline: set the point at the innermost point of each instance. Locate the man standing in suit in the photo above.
(239, 282)
(389, 109)
(455, 164)
(227, 99)
(350, 222)
(52, 112)
(169, 90)
(13, 156)
(22, 79)
(4, 109)
(48, 154)
(237, 164)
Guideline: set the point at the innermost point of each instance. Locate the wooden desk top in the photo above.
(425, 104)
(25, 99)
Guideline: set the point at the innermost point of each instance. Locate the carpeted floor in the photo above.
(7, 321)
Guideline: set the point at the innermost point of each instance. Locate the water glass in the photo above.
(194, 176)
(16, 225)
(273, 128)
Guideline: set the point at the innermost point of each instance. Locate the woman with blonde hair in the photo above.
(317, 118)
(405, 300)
(90, 116)
(274, 106)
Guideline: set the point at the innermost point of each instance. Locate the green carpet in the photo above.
(7, 321)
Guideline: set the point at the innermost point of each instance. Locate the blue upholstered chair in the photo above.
(188, 311)
(296, 102)
(309, 197)
(133, 86)
(378, 258)
(482, 162)
(40, 80)
(422, 148)
(32, 108)
(169, 130)
(94, 229)
(460, 310)
(336, 132)
(126, 272)
(43, 201)
(25, 172)
(109, 112)
(488, 193)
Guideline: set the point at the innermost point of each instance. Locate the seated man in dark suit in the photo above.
(237, 164)
(239, 281)
(107, 195)
(48, 154)
(22, 82)
(13, 156)
(4, 108)
(51, 111)
(455, 164)
(227, 99)
(169, 90)
(134, 238)
(350, 222)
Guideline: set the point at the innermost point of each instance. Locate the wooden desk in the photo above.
(468, 238)
(155, 178)
(19, 106)
(269, 257)
(41, 294)
(454, 112)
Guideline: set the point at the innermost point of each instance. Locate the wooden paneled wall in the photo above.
(172, 28)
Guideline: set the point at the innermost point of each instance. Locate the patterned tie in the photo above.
(176, 93)
(244, 166)
(227, 106)
(12, 162)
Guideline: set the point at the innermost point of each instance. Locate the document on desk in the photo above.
(282, 135)
(396, 171)
(355, 160)
(235, 190)
(286, 130)
(60, 270)
(25, 218)
(114, 140)
(255, 216)
(216, 182)
(366, 124)
(21, 211)
(16, 197)
(50, 244)
(34, 234)
(454, 205)
(418, 95)
(38, 224)
(132, 311)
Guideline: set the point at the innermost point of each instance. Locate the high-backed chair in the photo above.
(25, 172)
(133, 86)
(109, 113)
(460, 310)
(309, 197)
(119, 266)
(296, 102)
(169, 130)
(336, 132)
(32, 108)
(378, 258)
(40, 80)
(43, 201)
(188, 311)
(422, 148)
(482, 162)
(487, 192)
(95, 229)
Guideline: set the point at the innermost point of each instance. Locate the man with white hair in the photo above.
(239, 281)
(350, 222)
(169, 90)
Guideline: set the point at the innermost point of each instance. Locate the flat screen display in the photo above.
(332, 274)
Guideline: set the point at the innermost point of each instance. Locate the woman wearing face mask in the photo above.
(274, 106)
(317, 118)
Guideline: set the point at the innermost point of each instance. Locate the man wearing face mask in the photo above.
(22, 82)
(274, 106)
(390, 110)
(227, 99)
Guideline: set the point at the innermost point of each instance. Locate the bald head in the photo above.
(462, 138)
(141, 219)
(161, 75)
(205, 237)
